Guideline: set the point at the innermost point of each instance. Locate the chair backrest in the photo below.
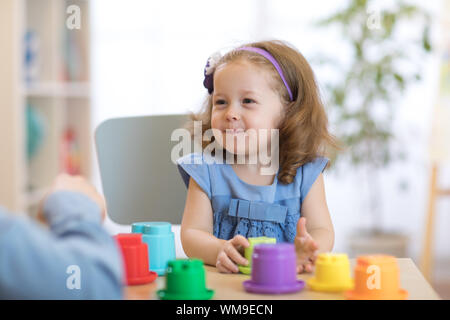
(140, 181)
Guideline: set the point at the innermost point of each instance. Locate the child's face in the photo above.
(243, 98)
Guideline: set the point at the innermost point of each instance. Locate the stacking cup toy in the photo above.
(377, 278)
(249, 251)
(274, 270)
(161, 243)
(135, 258)
(332, 273)
(185, 280)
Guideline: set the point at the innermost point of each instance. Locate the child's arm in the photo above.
(320, 234)
(196, 233)
(315, 210)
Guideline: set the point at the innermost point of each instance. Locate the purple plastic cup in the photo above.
(274, 270)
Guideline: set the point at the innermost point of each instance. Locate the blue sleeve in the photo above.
(310, 172)
(193, 165)
(75, 259)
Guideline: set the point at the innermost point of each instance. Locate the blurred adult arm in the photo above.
(74, 258)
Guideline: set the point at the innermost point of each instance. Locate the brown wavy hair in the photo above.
(303, 130)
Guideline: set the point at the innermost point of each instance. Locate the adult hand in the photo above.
(65, 182)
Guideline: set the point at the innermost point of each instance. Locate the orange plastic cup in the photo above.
(377, 277)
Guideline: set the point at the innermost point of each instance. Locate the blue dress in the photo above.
(246, 209)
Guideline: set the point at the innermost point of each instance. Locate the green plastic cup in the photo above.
(185, 280)
(249, 251)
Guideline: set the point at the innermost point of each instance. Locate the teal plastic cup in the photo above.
(160, 242)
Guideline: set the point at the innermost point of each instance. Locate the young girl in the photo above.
(264, 85)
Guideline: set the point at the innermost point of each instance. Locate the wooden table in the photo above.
(229, 286)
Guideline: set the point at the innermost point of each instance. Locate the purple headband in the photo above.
(209, 84)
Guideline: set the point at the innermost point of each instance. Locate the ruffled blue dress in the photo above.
(246, 209)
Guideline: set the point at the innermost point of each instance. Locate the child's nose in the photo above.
(232, 113)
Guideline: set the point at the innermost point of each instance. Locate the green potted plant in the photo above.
(363, 98)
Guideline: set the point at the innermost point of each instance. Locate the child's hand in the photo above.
(306, 248)
(231, 254)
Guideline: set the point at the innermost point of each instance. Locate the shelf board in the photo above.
(55, 89)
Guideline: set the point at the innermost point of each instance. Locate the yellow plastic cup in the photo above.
(249, 251)
(332, 273)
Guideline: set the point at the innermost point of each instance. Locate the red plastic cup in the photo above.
(135, 258)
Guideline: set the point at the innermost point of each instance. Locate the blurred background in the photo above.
(383, 68)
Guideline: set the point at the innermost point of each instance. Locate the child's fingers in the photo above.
(221, 268)
(310, 246)
(235, 255)
(306, 257)
(309, 267)
(300, 243)
(224, 263)
(306, 245)
(240, 240)
(313, 246)
(301, 227)
(314, 256)
(305, 267)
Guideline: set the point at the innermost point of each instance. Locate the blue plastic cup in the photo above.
(160, 242)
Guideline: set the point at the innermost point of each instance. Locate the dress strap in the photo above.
(257, 210)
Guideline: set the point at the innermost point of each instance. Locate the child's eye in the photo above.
(247, 100)
(220, 101)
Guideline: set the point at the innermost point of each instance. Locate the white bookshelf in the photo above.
(58, 92)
